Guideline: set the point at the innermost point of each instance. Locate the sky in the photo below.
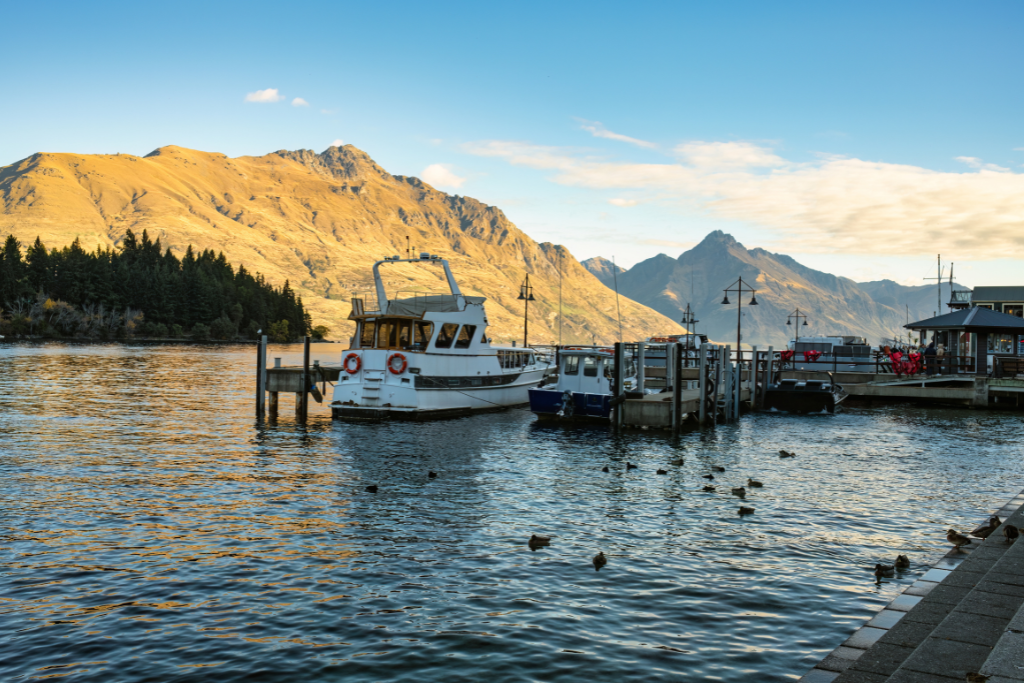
(862, 139)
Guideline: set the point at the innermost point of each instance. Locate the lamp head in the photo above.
(725, 300)
(521, 295)
(531, 297)
(805, 323)
(753, 301)
(789, 322)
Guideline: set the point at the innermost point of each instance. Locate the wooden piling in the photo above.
(641, 366)
(617, 389)
(272, 406)
(304, 394)
(677, 386)
(702, 385)
(768, 376)
(752, 380)
(261, 376)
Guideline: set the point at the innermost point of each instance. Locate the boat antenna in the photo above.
(938, 284)
(559, 297)
(618, 311)
(951, 284)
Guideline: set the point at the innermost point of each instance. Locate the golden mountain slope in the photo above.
(318, 220)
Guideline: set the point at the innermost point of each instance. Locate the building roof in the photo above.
(987, 294)
(976, 319)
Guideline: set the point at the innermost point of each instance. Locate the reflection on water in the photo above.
(153, 531)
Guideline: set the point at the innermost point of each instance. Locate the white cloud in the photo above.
(268, 95)
(623, 202)
(441, 176)
(299, 102)
(830, 205)
(338, 143)
(975, 162)
(598, 130)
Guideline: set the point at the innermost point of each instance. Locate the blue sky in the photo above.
(861, 138)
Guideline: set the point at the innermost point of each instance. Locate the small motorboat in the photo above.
(584, 387)
(804, 396)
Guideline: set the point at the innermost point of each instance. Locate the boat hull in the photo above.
(549, 404)
(792, 399)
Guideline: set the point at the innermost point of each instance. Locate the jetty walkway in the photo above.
(965, 615)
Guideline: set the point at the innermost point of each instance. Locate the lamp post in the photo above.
(789, 321)
(526, 295)
(739, 287)
(689, 319)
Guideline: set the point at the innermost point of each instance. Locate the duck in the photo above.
(630, 466)
(1011, 533)
(539, 541)
(787, 454)
(739, 491)
(883, 570)
(754, 484)
(432, 474)
(985, 530)
(372, 488)
(599, 561)
(716, 468)
(957, 539)
(709, 477)
(677, 462)
(902, 562)
(745, 511)
(709, 487)
(662, 471)
(605, 468)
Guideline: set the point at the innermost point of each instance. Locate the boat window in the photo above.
(465, 336)
(1000, 343)
(404, 334)
(366, 331)
(423, 334)
(609, 368)
(589, 366)
(446, 336)
(530, 359)
(384, 329)
(572, 365)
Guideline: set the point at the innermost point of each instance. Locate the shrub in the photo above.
(279, 332)
(200, 331)
(222, 328)
(177, 330)
(320, 332)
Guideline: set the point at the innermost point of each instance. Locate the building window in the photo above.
(1000, 343)
(1014, 309)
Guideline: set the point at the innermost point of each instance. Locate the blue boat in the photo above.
(584, 387)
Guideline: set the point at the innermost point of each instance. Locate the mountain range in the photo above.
(318, 221)
(833, 305)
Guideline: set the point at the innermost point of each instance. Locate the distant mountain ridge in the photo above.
(833, 305)
(319, 221)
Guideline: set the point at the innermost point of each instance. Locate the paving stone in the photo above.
(929, 612)
(935, 656)
(935, 574)
(949, 595)
(1003, 679)
(818, 676)
(1009, 565)
(1007, 659)
(988, 586)
(1017, 622)
(982, 560)
(886, 619)
(904, 602)
(840, 659)
(852, 676)
(951, 562)
(964, 578)
(971, 628)
(1009, 579)
(907, 633)
(920, 588)
(907, 676)
(864, 637)
(991, 604)
(881, 658)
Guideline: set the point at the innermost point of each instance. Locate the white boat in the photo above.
(842, 353)
(428, 356)
(584, 387)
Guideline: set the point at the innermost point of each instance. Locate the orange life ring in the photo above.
(359, 363)
(391, 366)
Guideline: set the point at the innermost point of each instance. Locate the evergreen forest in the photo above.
(140, 289)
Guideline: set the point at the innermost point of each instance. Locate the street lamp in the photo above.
(526, 294)
(689, 319)
(789, 321)
(739, 287)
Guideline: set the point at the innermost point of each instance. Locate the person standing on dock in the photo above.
(929, 359)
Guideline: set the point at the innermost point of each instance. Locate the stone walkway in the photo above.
(966, 614)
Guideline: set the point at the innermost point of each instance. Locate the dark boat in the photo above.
(804, 396)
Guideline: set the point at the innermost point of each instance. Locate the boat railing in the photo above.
(880, 364)
(365, 303)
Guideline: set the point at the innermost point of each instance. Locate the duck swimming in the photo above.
(739, 491)
(709, 477)
(539, 541)
(902, 562)
(709, 487)
(630, 466)
(662, 472)
(883, 570)
(372, 488)
(787, 454)
(605, 468)
(677, 462)
(599, 561)
(745, 511)
(716, 468)
(754, 484)
(432, 474)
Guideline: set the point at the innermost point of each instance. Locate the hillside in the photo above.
(834, 305)
(319, 221)
(603, 269)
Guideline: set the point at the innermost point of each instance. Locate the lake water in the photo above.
(153, 531)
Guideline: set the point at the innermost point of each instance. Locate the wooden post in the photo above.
(617, 389)
(272, 406)
(677, 386)
(738, 398)
(641, 360)
(768, 376)
(304, 394)
(261, 376)
(752, 380)
(726, 381)
(703, 383)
